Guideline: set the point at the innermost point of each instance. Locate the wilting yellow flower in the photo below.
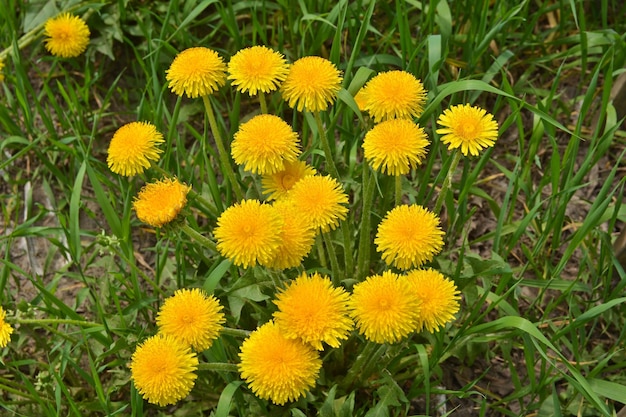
(191, 317)
(5, 329)
(278, 184)
(396, 145)
(469, 128)
(311, 84)
(438, 295)
(258, 68)
(67, 35)
(264, 143)
(394, 94)
(384, 308)
(1, 68)
(409, 236)
(132, 148)
(159, 203)
(162, 369)
(196, 72)
(312, 310)
(278, 368)
(321, 199)
(248, 232)
(296, 237)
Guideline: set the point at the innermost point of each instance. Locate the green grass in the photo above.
(529, 223)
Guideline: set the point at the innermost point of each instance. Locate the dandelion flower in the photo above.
(264, 143)
(469, 128)
(438, 295)
(67, 35)
(196, 72)
(1, 68)
(312, 310)
(278, 184)
(360, 98)
(132, 148)
(384, 308)
(162, 369)
(5, 329)
(159, 203)
(311, 84)
(258, 68)
(396, 145)
(278, 368)
(321, 200)
(248, 232)
(394, 94)
(409, 236)
(191, 317)
(296, 237)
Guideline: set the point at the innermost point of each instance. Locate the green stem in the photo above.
(320, 250)
(263, 102)
(398, 189)
(365, 363)
(194, 234)
(447, 181)
(227, 168)
(330, 162)
(218, 367)
(235, 332)
(81, 323)
(364, 229)
(347, 250)
(334, 265)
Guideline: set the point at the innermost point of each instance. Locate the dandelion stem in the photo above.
(263, 102)
(227, 168)
(218, 367)
(330, 163)
(194, 234)
(235, 332)
(320, 251)
(364, 229)
(365, 363)
(332, 255)
(398, 182)
(447, 181)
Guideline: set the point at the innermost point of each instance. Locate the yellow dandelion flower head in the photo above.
(396, 145)
(1, 68)
(296, 237)
(158, 203)
(409, 236)
(469, 128)
(278, 368)
(196, 72)
(311, 84)
(394, 94)
(312, 310)
(248, 232)
(438, 295)
(264, 143)
(163, 369)
(384, 308)
(132, 148)
(67, 35)
(191, 317)
(279, 183)
(321, 199)
(5, 329)
(257, 68)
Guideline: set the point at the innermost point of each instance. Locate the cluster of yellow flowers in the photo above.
(280, 360)
(163, 366)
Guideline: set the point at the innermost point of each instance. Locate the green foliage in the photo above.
(529, 224)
